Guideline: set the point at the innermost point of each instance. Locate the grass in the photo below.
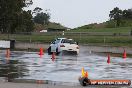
(112, 30)
(108, 40)
(82, 38)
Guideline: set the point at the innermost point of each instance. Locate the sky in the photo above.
(75, 13)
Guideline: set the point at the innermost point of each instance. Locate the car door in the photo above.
(53, 46)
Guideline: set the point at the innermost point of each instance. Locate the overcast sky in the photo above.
(74, 13)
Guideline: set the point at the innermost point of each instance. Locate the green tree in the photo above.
(127, 14)
(10, 14)
(116, 15)
(42, 18)
(24, 22)
(37, 10)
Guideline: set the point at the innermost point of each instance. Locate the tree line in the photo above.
(13, 17)
(41, 17)
(120, 16)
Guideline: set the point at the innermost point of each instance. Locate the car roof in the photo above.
(70, 39)
(61, 38)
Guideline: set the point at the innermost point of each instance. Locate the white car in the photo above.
(63, 44)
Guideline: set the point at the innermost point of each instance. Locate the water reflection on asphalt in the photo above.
(65, 68)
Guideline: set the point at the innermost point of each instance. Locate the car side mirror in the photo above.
(52, 42)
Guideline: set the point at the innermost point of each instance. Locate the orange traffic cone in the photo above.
(39, 81)
(8, 53)
(53, 56)
(108, 60)
(86, 74)
(41, 51)
(124, 54)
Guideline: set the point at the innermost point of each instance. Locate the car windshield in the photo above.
(68, 41)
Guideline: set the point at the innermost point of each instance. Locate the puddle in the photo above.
(66, 68)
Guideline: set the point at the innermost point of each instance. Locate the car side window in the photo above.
(53, 42)
(62, 41)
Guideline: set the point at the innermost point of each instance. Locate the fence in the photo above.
(81, 37)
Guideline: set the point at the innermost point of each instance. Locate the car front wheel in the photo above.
(57, 52)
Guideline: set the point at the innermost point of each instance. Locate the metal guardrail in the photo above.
(85, 33)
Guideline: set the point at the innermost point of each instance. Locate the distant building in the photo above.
(43, 31)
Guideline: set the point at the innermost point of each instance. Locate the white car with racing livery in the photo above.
(63, 44)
